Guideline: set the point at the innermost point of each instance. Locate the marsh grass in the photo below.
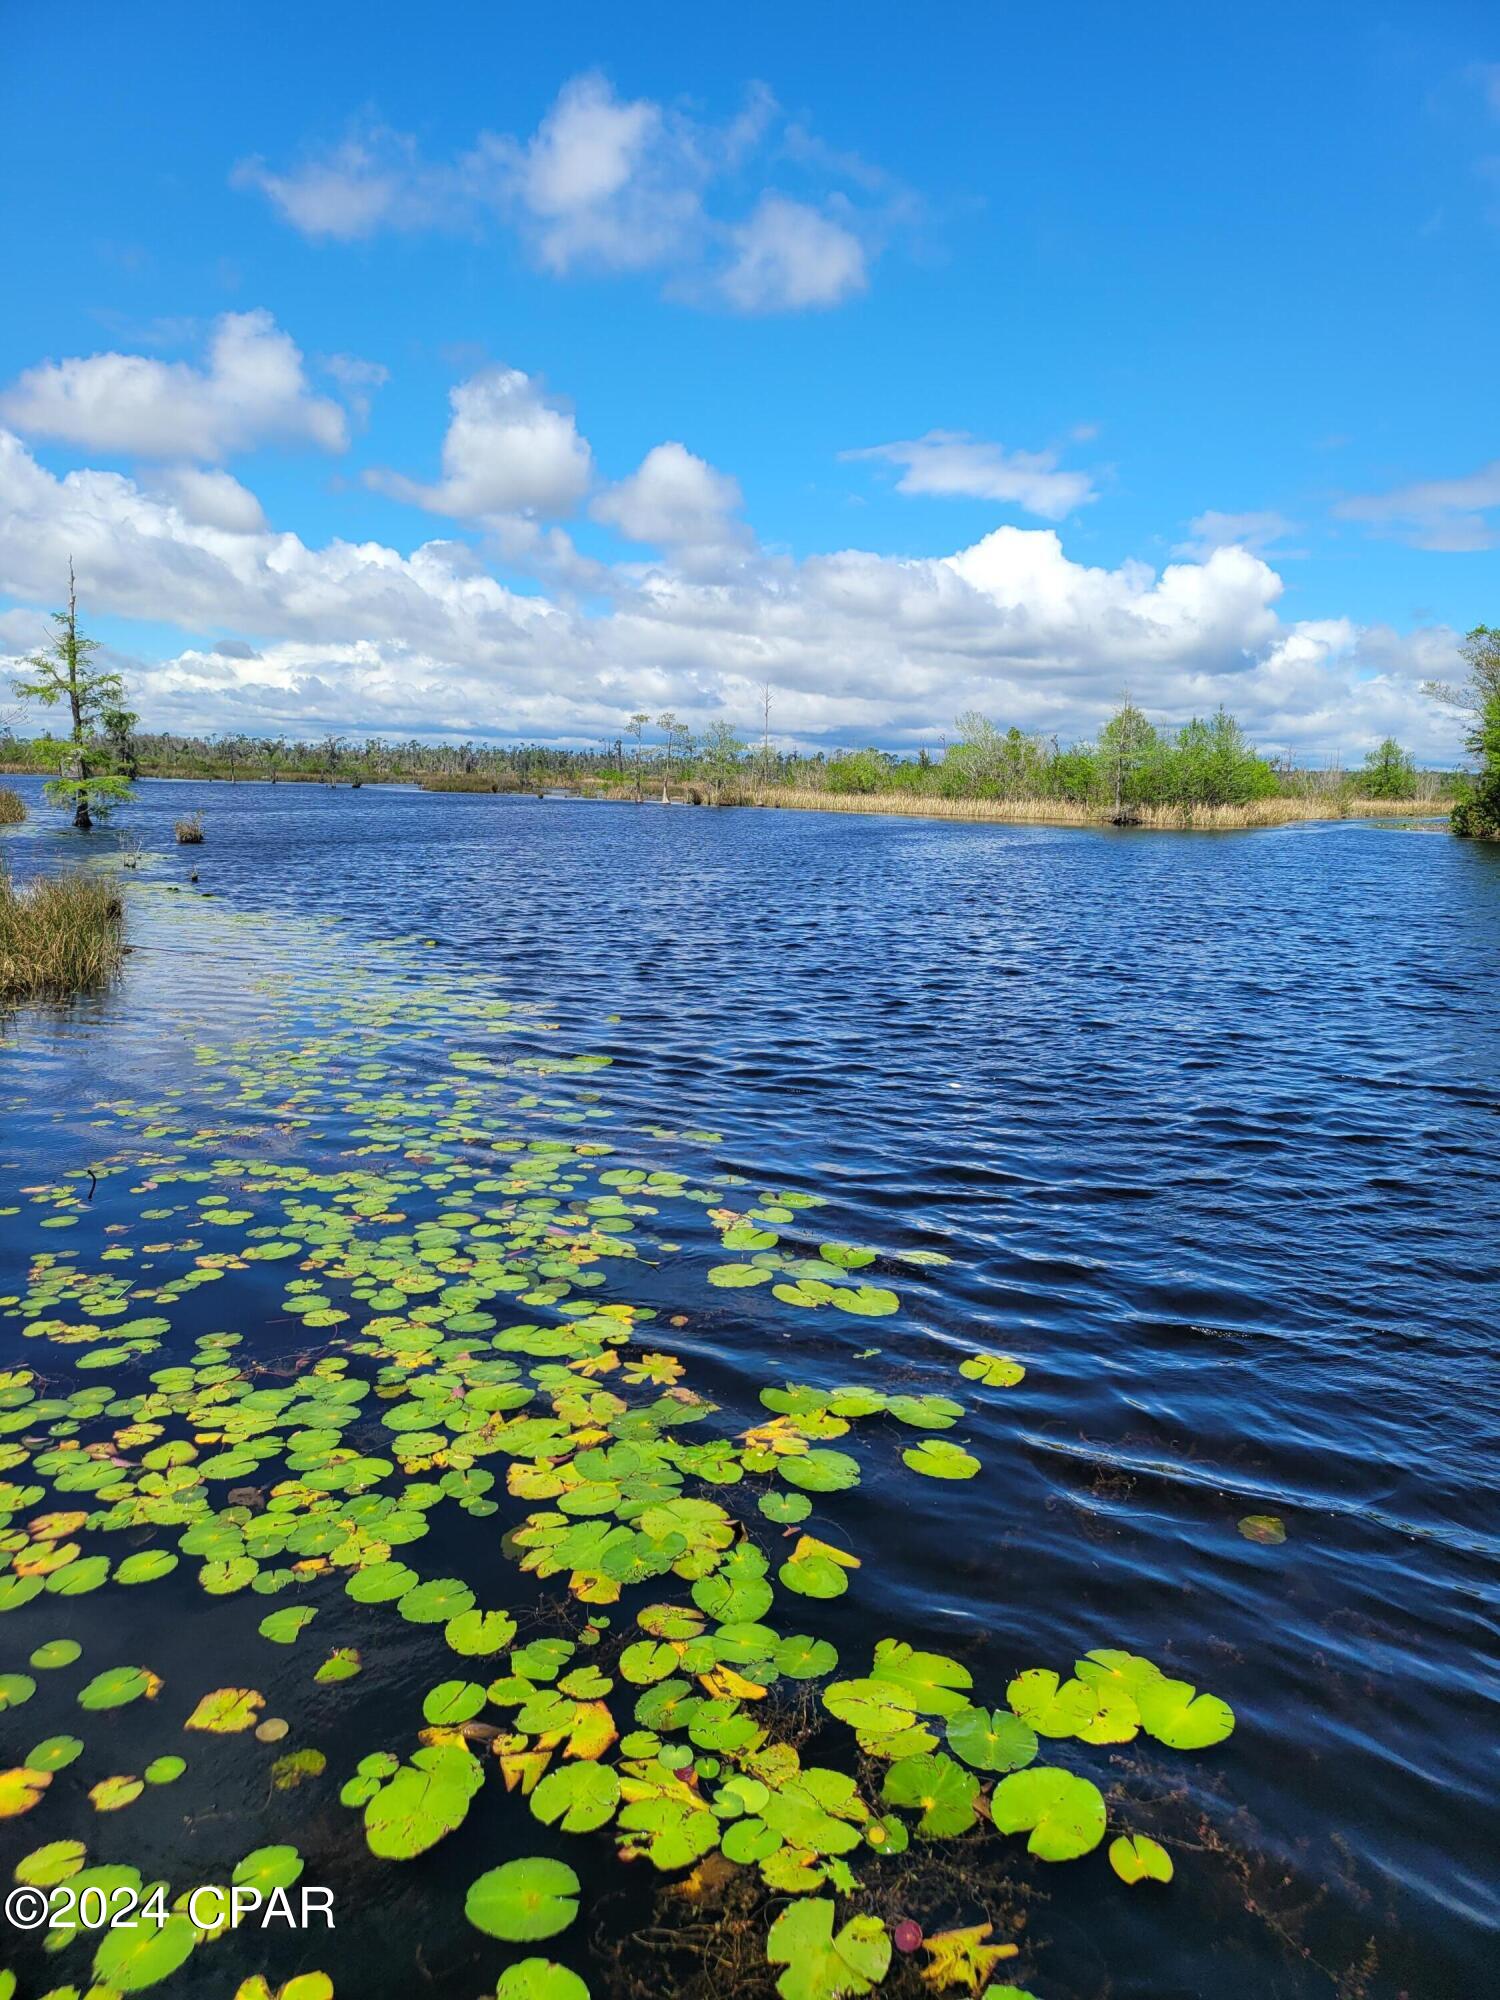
(12, 807)
(458, 781)
(60, 935)
(189, 831)
(1064, 812)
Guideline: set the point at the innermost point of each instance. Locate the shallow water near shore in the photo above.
(1206, 1128)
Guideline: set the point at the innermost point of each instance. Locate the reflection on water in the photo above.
(1206, 1127)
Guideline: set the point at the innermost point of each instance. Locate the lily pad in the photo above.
(523, 1901)
(992, 1739)
(577, 1797)
(822, 1964)
(1063, 1814)
(995, 1371)
(132, 1958)
(939, 1458)
(943, 1790)
(539, 1979)
(117, 1686)
(226, 1711)
(1135, 1857)
(56, 1653)
(268, 1868)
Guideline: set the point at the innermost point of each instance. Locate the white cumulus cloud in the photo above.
(508, 450)
(251, 390)
(789, 257)
(673, 498)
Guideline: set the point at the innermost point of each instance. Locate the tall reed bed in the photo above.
(60, 935)
(1065, 812)
(12, 807)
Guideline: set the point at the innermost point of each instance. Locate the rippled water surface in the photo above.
(1206, 1125)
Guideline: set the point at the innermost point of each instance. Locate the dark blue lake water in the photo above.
(1207, 1126)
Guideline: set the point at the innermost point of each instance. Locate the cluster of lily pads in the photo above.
(460, 1283)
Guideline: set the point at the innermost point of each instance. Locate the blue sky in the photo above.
(1089, 293)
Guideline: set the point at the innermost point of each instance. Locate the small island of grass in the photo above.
(60, 935)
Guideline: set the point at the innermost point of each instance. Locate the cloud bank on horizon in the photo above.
(855, 645)
(527, 582)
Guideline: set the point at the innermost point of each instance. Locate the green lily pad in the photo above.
(283, 1626)
(268, 1868)
(1137, 1858)
(938, 1458)
(995, 1371)
(523, 1901)
(1176, 1714)
(342, 1664)
(56, 1653)
(991, 1739)
(803, 1659)
(452, 1702)
(46, 1866)
(131, 1959)
(943, 1790)
(116, 1686)
(435, 1602)
(146, 1566)
(475, 1634)
(577, 1797)
(821, 1964)
(1063, 1814)
(539, 1979)
(422, 1801)
(820, 1471)
(54, 1753)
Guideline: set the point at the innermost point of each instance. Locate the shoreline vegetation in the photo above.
(1324, 803)
(1204, 776)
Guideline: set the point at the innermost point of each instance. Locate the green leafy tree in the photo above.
(119, 734)
(1480, 652)
(65, 674)
(1212, 764)
(1390, 772)
(1477, 812)
(1127, 743)
(721, 753)
(858, 771)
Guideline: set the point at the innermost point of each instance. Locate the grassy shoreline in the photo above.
(1284, 810)
(1065, 812)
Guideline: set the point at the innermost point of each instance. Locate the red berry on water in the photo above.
(907, 1935)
